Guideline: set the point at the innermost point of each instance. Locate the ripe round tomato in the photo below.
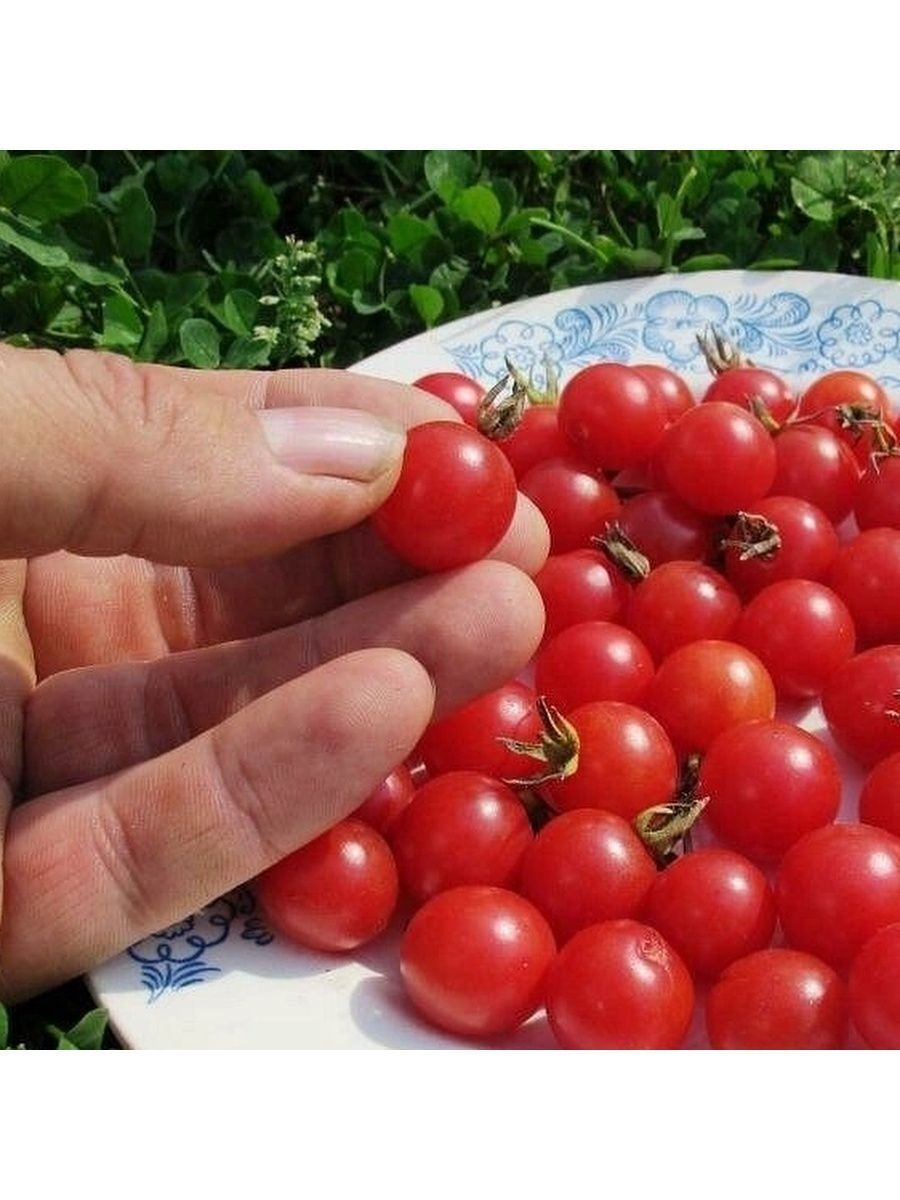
(389, 799)
(577, 504)
(877, 504)
(847, 402)
(583, 867)
(681, 602)
(619, 985)
(814, 464)
(463, 393)
(460, 828)
(453, 501)
(836, 887)
(582, 585)
(808, 544)
(801, 632)
(467, 739)
(861, 702)
(665, 528)
(768, 784)
(625, 762)
(474, 960)
(874, 990)
(777, 1000)
(703, 688)
(612, 415)
(713, 906)
(336, 892)
(595, 660)
(535, 438)
(727, 435)
(866, 575)
(756, 389)
(879, 799)
(670, 388)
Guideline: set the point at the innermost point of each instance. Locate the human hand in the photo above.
(206, 657)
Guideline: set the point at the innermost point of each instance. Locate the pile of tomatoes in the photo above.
(660, 831)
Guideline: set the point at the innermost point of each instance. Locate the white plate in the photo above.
(219, 979)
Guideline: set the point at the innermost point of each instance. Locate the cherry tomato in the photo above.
(576, 503)
(467, 739)
(625, 762)
(861, 702)
(388, 800)
(703, 688)
(595, 660)
(583, 867)
(718, 433)
(453, 501)
(777, 1000)
(665, 528)
(463, 393)
(670, 388)
(768, 784)
(460, 828)
(681, 602)
(535, 438)
(336, 892)
(866, 575)
(807, 545)
(713, 906)
(879, 798)
(815, 465)
(759, 391)
(582, 585)
(619, 985)
(874, 990)
(836, 887)
(877, 503)
(474, 960)
(847, 402)
(801, 632)
(612, 415)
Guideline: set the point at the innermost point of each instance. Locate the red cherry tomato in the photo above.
(877, 503)
(670, 388)
(713, 906)
(847, 402)
(336, 892)
(815, 465)
(612, 415)
(468, 739)
(874, 990)
(460, 828)
(836, 887)
(583, 867)
(724, 434)
(576, 503)
(879, 799)
(388, 800)
(705, 687)
(582, 585)
(861, 702)
(801, 632)
(664, 528)
(474, 960)
(625, 762)
(454, 500)
(595, 660)
(768, 784)
(536, 438)
(808, 544)
(681, 602)
(777, 1000)
(753, 388)
(463, 393)
(866, 575)
(619, 985)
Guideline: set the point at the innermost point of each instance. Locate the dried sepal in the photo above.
(752, 536)
(500, 410)
(720, 352)
(666, 828)
(557, 747)
(619, 547)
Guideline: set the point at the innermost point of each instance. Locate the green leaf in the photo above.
(772, 264)
(356, 269)
(42, 186)
(95, 276)
(641, 262)
(183, 292)
(87, 1034)
(156, 335)
(449, 171)
(4, 1028)
(199, 340)
(428, 301)
(247, 352)
(812, 202)
(239, 311)
(37, 248)
(408, 233)
(479, 206)
(135, 223)
(542, 159)
(706, 262)
(122, 324)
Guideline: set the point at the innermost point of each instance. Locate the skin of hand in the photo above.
(206, 656)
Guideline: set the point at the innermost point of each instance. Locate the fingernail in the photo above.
(343, 442)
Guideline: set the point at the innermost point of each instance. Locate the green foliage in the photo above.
(245, 259)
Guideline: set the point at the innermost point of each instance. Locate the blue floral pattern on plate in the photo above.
(780, 329)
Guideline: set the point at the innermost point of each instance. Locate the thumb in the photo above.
(99, 455)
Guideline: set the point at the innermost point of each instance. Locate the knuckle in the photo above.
(250, 805)
(116, 848)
